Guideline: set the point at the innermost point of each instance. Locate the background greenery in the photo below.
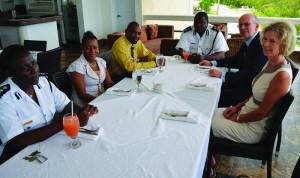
(262, 8)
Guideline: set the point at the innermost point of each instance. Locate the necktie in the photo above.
(132, 51)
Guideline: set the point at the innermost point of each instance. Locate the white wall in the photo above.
(89, 17)
(99, 16)
(168, 7)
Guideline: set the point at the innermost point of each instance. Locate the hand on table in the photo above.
(215, 73)
(195, 58)
(87, 112)
(205, 63)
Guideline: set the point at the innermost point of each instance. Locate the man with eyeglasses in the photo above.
(202, 40)
(129, 54)
(249, 61)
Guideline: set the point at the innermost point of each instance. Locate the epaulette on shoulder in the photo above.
(44, 75)
(4, 89)
(215, 28)
(187, 29)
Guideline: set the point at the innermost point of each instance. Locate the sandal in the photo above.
(212, 173)
(213, 161)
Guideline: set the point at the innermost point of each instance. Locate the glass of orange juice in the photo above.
(185, 55)
(71, 126)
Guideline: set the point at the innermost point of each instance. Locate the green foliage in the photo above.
(270, 8)
(206, 4)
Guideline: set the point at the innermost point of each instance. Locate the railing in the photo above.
(214, 18)
(222, 19)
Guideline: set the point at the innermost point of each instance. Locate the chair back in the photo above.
(234, 45)
(295, 68)
(49, 61)
(63, 81)
(167, 47)
(281, 110)
(106, 56)
(35, 45)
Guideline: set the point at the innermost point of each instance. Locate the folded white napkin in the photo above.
(87, 135)
(90, 135)
(201, 86)
(149, 72)
(203, 69)
(184, 116)
(119, 91)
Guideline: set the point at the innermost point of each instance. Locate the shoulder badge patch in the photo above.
(4, 89)
(189, 28)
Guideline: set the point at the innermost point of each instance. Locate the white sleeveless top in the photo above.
(260, 85)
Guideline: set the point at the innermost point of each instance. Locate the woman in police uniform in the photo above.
(28, 103)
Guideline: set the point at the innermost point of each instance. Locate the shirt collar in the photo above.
(206, 31)
(250, 40)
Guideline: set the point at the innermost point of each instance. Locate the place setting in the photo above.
(72, 129)
(180, 115)
(201, 84)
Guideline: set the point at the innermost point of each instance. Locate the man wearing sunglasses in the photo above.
(249, 61)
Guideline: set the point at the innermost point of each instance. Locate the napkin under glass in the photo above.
(177, 115)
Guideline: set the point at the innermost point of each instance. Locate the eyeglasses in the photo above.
(245, 24)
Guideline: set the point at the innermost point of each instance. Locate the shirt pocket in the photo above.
(193, 48)
(206, 49)
(49, 113)
(29, 123)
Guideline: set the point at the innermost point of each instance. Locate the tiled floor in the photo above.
(283, 165)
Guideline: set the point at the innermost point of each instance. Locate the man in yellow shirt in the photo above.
(129, 54)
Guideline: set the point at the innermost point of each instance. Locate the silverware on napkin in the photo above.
(121, 90)
(89, 131)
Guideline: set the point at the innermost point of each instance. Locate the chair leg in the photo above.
(269, 168)
(278, 141)
(263, 164)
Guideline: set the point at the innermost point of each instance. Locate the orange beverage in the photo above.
(71, 125)
(185, 55)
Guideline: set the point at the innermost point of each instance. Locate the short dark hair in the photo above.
(12, 53)
(201, 14)
(133, 23)
(88, 35)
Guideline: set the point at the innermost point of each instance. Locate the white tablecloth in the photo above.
(135, 142)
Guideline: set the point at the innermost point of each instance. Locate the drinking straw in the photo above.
(72, 108)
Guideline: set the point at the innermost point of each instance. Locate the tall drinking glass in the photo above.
(71, 126)
(160, 61)
(137, 77)
(185, 55)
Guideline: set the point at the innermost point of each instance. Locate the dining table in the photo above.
(138, 138)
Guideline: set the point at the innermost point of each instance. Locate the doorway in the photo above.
(125, 11)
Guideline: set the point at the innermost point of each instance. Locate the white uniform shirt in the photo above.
(19, 113)
(192, 42)
(91, 79)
